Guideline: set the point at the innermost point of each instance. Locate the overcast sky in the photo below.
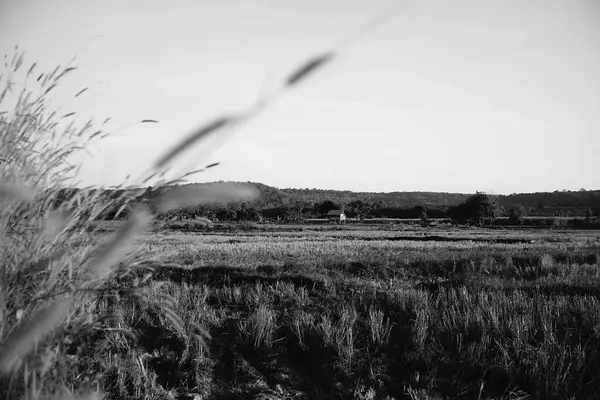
(500, 96)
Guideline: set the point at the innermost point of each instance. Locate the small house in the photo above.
(336, 216)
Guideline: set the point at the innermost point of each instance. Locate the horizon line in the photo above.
(344, 190)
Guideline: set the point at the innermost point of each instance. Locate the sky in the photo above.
(501, 96)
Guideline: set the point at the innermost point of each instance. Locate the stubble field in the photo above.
(360, 312)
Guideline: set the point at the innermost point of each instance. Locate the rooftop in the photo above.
(335, 213)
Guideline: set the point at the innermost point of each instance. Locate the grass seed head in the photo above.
(195, 137)
(218, 192)
(308, 68)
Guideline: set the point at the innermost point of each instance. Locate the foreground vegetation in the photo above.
(360, 312)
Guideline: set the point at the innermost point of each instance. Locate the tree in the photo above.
(252, 214)
(326, 206)
(297, 210)
(248, 213)
(359, 208)
(280, 214)
(476, 208)
(226, 214)
(516, 214)
(202, 210)
(354, 208)
(421, 212)
(540, 206)
(588, 215)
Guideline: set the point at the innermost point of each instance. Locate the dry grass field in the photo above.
(353, 313)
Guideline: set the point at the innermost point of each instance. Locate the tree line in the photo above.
(288, 205)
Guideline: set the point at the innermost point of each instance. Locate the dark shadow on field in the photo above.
(436, 287)
(563, 258)
(307, 369)
(450, 239)
(163, 349)
(563, 289)
(156, 339)
(528, 288)
(550, 290)
(222, 349)
(243, 370)
(288, 365)
(581, 258)
(221, 276)
(521, 267)
(406, 364)
(528, 267)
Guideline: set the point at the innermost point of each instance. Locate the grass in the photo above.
(360, 315)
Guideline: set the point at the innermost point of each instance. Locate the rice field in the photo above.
(357, 314)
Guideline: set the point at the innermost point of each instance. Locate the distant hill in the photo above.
(391, 199)
(540, 202)
(580, 198)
